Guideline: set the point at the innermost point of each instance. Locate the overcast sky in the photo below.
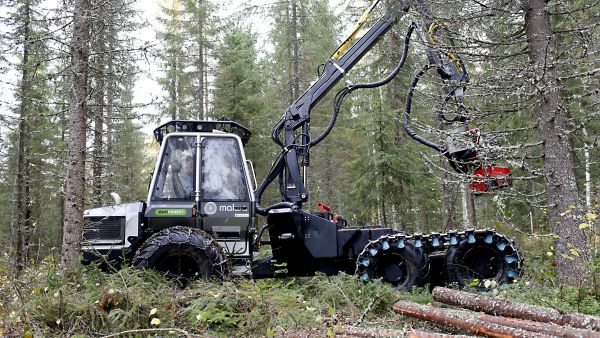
(147, 89)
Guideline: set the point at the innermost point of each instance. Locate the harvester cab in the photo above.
(201, 181)
(204, 174)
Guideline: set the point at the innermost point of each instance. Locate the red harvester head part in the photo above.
(490, 178)
(463, 158)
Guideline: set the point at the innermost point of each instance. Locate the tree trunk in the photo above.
(111, 85)
(428, 334)
(395, 95)
(472, 208)
(179, 89)
(295, 52)
(588, 173)
(100, 49)
(200, 41)
(172, 104)
(495, 306)
(74, 204)
(571, 247)
(63, 166)
(207, 111)
(448, 199)
(465, 206)
(380, 169)
(22, 189)
(359, 332)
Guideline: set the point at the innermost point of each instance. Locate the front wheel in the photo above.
(183, 253)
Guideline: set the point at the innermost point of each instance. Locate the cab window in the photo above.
(223, 173)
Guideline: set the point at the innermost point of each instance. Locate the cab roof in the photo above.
(196, 126)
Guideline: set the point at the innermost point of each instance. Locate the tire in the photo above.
(183, 253)
(470, 264)
(404, 267)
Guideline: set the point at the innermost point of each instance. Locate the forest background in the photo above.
(533, 92)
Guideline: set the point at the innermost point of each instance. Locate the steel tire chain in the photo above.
(441, 242)
(220, 269)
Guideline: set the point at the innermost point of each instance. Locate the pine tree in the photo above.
(198, 26)
(113, 84)
(238, 92)
(22, 179)
(23, 190)
(74, 204)
(303, 35)
(186, 43)
(175, 80)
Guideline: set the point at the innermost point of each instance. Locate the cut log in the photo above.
(581, 321)
(495, 306)
(429, 334)
(550, 329)
(461, 321)
(358, 332)
(506, 308)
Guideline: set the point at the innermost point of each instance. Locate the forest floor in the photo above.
(39, 302)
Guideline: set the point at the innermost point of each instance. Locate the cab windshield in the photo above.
(176, 177)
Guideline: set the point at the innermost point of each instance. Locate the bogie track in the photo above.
(472, 257)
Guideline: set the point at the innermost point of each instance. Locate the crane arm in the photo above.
(292, 132)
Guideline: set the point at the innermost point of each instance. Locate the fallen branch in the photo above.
(460, 320)
(506, 308)
(367, 310)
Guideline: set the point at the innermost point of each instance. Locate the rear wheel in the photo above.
(394, 260)
(183, 253)
(482, 257)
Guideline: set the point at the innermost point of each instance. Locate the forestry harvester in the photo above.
(200, 216)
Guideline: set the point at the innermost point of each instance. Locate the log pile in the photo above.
(497, 317)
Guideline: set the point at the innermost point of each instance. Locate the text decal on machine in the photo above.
(170, 212)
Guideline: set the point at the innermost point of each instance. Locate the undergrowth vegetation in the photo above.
(91, 302)
(40, 302)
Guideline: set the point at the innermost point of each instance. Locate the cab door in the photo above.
(171, 198)
(225, 196)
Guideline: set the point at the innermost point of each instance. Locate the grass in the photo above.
(41, 302)
(94, 303)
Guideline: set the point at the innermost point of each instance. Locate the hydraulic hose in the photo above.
(455, 163)
(339, 98)
(406, 116)
(275, 132)
(275, 171)
(458, 118)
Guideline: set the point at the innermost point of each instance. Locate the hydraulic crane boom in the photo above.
(297, 116)
(292, 133)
